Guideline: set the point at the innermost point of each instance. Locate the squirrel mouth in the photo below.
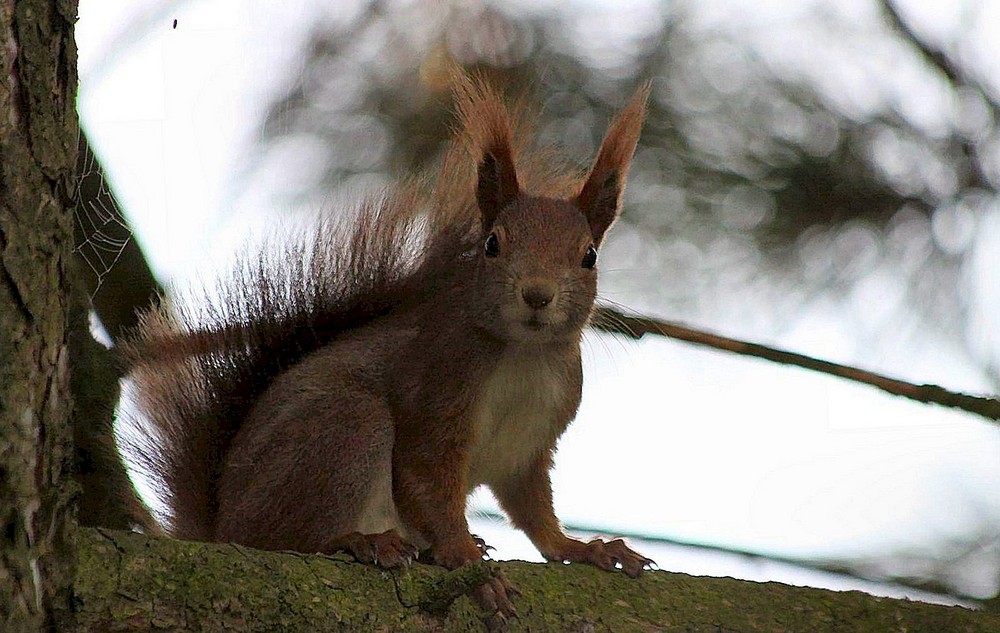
(535, 324)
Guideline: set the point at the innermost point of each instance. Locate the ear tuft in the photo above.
(496, 184)
(487, 125)
(600, 196)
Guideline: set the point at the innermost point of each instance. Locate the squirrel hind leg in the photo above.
(311, 466)
(385, 549)
(379, 537)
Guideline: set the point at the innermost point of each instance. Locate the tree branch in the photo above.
(608, 319)
(130, 582)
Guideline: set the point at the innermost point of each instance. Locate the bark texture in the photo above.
(38, 141)
(129, 582)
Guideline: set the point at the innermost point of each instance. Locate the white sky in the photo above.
(671, 440)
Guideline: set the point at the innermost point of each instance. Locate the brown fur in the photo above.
(338, 392)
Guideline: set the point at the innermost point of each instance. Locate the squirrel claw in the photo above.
(615, 554)
(609, 555)
(495, 622)
(387, 550)
(483, 546)
(494, 597)
(455, 553)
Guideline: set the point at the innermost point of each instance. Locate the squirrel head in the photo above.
(537, 278)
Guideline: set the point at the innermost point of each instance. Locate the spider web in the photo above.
(101, 234)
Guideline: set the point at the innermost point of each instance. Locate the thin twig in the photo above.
(608, 319)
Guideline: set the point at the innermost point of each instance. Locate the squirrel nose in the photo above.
(539, 294)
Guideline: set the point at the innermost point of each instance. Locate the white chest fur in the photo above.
(517, 416)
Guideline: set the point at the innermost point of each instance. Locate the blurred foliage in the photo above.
(752, 180)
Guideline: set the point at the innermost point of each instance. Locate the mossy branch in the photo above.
(130, 582)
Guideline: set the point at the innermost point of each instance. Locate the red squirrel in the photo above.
(348, 392)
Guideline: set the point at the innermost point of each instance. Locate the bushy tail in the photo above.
(196, 370)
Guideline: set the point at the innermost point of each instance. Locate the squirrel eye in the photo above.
(590, 258)
(492, 246)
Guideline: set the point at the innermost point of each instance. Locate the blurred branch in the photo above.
(932, 55)
(608, 319)
(957, 76)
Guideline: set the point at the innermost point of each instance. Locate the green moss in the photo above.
(208, 587)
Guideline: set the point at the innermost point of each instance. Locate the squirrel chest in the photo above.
(520, 411)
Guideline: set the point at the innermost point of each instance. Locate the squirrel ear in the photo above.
(600, 196)
(497, 185)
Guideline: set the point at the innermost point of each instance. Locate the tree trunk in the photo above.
(129, 582)
(38, 142)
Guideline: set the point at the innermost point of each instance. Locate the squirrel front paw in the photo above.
(607, 555)
(453, 553)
